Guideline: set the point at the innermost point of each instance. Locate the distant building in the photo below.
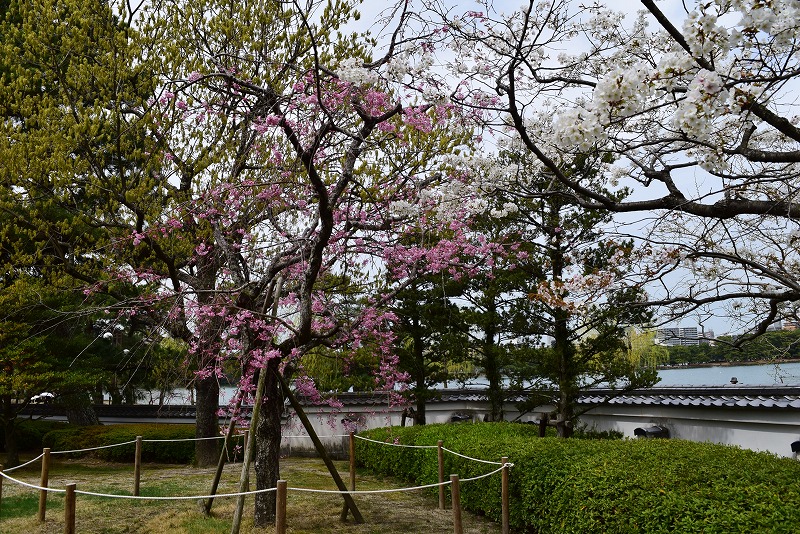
(791, 324)
(707, 337)
(677, 337)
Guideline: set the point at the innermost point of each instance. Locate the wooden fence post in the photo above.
(69, 510)
(455, 491)
(43, 483)
(352, 462)
(504, 496)
(441, 473)
(280, 508)
(137, 466)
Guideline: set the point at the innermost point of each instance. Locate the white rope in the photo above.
(23, 465)
(180, 439)
(471, 458)
(144, 498)
(400, 444)
(222, 495)
(431, 447)
(393, 490)
(75, 451)
(254, 492)
(305, 436)
(33, 486)
(487, 474)
(94, 448)
(134, 441)
(174, 498)
(396, 490)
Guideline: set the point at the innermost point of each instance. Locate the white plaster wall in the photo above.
(760, 430)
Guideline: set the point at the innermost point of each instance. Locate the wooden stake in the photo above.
(246, 441)
(455, 491)
(221, 461)
(280, 508)
(504, 496)
(69, 510)
(439, 445)
(244, 477)
(137, 466)
(349, 503)
(43, 483)
(352, 462)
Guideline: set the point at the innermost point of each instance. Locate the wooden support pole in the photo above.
(280, 508)
(69, 510)
(246, 442)
(43, 483)
(221, 460)
(352, 462)
(455, 491)
(439, 445)
(1, 491)
(543, 425)
(249, 451)
(349, 503)
(504, 496)
(137, 466)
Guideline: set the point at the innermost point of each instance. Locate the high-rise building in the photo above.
(674, 337)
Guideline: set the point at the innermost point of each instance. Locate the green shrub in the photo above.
(180, 452)
(601, 485)
(30, 432)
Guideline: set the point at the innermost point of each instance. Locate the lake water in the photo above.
(747, 375)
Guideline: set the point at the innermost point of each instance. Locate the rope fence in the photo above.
(23, 465)
(70, 491)
(99, 447)
(396, 444)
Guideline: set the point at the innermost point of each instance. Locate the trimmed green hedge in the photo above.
(30, 433)
(601, 485)
(84, 437)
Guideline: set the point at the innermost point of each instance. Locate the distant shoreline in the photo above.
(726, 364)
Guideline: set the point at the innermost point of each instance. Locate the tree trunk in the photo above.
(490, 364)
(9, 428)
(495, 392)
(206, 452)
(79, 409)
(206, 387)
(419, 413)
(268, 446)
(562, 345)
(566, 374)
(421, 393)
(565, 417)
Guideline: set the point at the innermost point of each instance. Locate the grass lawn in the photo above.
(387, 513)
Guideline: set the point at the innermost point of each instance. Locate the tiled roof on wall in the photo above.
(767, 397)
